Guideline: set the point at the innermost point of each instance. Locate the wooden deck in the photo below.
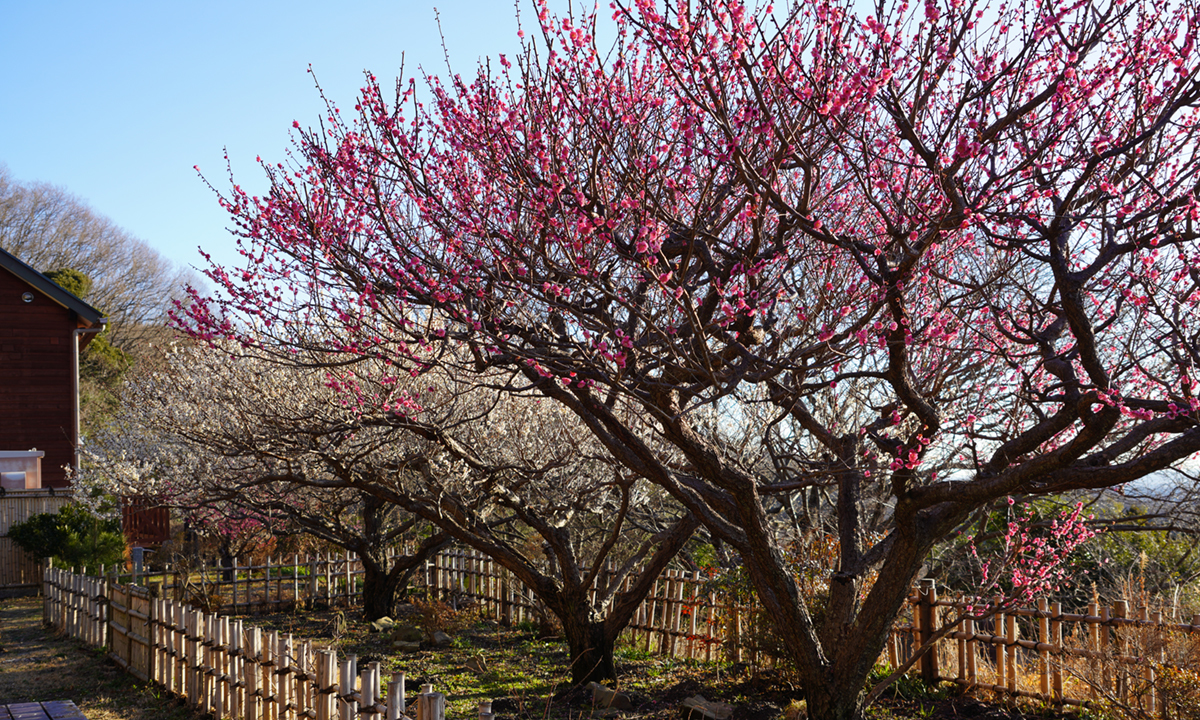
(51, 710)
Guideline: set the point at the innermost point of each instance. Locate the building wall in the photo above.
(36, 401)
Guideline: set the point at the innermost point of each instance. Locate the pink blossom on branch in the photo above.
(943, 252)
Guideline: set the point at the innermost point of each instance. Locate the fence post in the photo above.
(1094, 645)
(395, 697)
(926, 599)
(1148, 656)
(1120, 612)
(237, 661)
(347, 707)
(251, 672)
(283, 674)
(972, 652)
(1056, 639)
(1001, 647)
(326, 688)
(1043, 624)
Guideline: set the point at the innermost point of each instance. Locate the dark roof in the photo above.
(90, 316)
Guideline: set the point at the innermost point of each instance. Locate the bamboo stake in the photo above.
(1120, 612)
(1043, 655)
(1011, 670)
(395, 697)
(1056, 639)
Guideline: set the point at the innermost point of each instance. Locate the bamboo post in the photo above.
(1147, 653)
(511, 617)
(485, 710)
(1120, 612)
(174, 668)
(960, 647)
(928, 614)
(676, 613)
(196, 659)
(328, 579)
(370, 687)
(326, 688)
(211, 662)
(1011, 642)
(694, 607)
(283, 675)
(1056, 639)
(306, 686)
(648, 622)
(395, 697)
(972, 652)
(1105, 680)
(237, 689)
(270, 681)
(253, 675)
(313, 581)
(1043, 621)
(430, 705)
(223, 683)
(347, 707)
(494, 589)
(1093, 631)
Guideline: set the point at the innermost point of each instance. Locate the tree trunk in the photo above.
(835, 701)
(379, 590)
(226, 561)
(590, 647)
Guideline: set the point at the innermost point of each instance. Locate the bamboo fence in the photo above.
(1104, 654)
(224, 667)
(20, 572)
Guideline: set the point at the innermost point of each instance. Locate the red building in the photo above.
(42, 330)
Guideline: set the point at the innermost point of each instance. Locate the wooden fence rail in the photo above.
(1105, 653)
(223, 667)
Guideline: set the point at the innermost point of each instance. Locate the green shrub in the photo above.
(72, 536)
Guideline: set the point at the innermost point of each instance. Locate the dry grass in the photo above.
(37, 665)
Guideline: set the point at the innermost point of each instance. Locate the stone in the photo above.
(406, 647)
(382, 624)
(603, 697)
(441, 639)
(407, 633)
(607, 712)
(476, 665)
(697, 708)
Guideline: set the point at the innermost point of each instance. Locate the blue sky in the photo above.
(116, 102)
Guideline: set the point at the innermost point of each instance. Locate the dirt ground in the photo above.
(37, 665)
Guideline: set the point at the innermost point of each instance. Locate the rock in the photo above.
(697, 708)
(608, 712)
(603, 697)
(441, 639)
(476, 665)
(796, 710)
(407, 633)
(406, 647)
(383, 623)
